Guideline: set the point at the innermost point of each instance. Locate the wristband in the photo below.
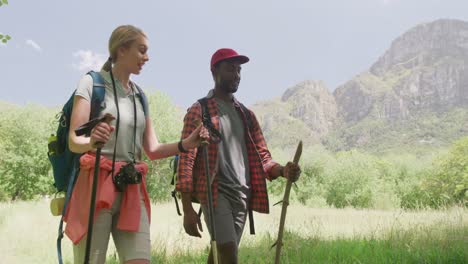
(181, 148)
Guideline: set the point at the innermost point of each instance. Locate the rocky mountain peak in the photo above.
(312, 102)
(305, 88)
(415, 93)
(424, 70)
(424, 44)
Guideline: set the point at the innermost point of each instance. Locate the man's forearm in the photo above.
(277, 171)
(187, 202)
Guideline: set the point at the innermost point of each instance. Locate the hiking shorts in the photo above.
(129, 245)
(229, 218)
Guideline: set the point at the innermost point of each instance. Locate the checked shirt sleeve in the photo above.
(260, 144)
(186, 160)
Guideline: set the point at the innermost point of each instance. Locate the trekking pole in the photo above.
(92, 205)
(88, 127)
(284, 208)
(214, 248)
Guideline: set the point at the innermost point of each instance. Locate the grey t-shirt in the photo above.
(126, 124)
(234, 175)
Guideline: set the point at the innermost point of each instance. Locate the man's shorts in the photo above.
(230, 219)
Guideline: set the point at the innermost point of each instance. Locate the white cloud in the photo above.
(34, 45)
(88, 60)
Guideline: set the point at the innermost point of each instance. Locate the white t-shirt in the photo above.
(125, 145)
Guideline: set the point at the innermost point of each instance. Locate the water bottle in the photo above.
(52, 145)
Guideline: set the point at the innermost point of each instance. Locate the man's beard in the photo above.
(229, 86)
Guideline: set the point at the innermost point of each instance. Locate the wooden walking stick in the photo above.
(214, 248)
(86, 129)
(204, 146)
(285, 201)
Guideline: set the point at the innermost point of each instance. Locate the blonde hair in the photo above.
(122, 36)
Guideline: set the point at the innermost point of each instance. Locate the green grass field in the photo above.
(404, 247)
(29, 231)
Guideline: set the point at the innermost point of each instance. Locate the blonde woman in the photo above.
(123, 211)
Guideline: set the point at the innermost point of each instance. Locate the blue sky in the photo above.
(54, 42)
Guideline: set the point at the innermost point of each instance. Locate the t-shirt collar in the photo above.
(107, 78)
(234, 100)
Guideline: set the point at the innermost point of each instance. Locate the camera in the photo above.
(127, 175)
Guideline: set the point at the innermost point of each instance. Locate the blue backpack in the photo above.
(65, 163)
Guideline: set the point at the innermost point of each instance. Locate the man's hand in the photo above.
(192, 223)
(292, 171)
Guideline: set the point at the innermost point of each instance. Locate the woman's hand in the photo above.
(100, 134)
(199, 135)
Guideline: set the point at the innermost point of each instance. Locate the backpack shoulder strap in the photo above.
(143, 99)
(99, 92)
(215, 135)
(206, 117)
(97, 98)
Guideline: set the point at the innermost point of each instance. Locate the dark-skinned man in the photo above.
(239, 164)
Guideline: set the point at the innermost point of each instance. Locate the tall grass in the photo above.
(446, 245)
(431, 244)
(28, 233)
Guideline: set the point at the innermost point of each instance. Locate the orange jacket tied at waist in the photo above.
(77, 212)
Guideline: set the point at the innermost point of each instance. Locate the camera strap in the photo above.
(134, 123)
(118, 123)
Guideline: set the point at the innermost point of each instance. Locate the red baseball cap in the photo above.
(223, 54)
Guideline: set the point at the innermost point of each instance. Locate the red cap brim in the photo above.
(241, 58)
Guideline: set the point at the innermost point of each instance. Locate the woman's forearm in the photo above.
(164, 150)
(79, 144)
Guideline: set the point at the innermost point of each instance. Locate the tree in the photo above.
(448, 184)
(167, 122)
(24, 168)
(4, 38)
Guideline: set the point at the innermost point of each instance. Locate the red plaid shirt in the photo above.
(191, 169)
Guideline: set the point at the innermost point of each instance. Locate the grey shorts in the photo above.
(129, 245)
(229, 218)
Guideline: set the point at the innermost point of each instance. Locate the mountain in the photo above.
(414, 95)
(306, 111)
(424, 69)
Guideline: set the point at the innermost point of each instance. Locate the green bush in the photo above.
(23, 142)
(405, 177)
(350, 178)
(25, 171)
(351, 181)
(414, 197)
(167, 122)
(448, 183)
